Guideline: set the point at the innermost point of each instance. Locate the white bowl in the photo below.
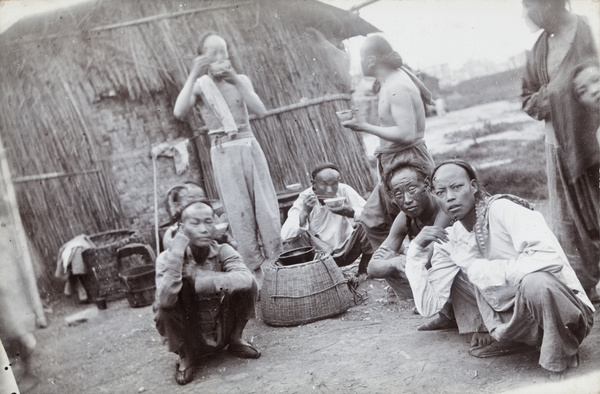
(217, 69)
(345, 115)
(294, 186)
(221, 228)
(334, 202)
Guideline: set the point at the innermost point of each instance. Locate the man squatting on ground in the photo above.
(337, 227)
(239, 164)
(408, 183)
(502, 266)
(205, 294)
(401, 110)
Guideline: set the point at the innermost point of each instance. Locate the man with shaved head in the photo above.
(402, 99)
(205, 294)
(224, 99)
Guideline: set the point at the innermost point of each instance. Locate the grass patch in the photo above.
(487, 128)
(525, 176)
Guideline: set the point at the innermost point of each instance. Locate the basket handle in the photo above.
(133, 249)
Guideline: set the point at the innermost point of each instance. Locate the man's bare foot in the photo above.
(481, 339)
(362, 277)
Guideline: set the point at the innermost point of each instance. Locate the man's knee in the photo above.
(363, 240)
(535, 286)
(164, 316)
(384, 268)
(243, 302)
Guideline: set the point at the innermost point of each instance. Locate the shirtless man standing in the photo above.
(239, 164)
(402, 118)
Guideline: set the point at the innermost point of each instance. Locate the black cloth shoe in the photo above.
(440, 322)
(496, 349)
(244, 351)
(185, 376)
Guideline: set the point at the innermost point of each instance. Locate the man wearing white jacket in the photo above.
(501, 262)
(334, 229)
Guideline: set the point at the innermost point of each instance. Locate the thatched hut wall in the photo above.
(89, 90)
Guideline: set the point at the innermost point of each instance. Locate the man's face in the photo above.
(215, 48)
(326, 182)
(410, 192)
(537, 11)
(587, 86)
(197, 223)
(366, 60)
(454, 191)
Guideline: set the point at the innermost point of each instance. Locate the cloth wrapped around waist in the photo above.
(398, 148)
(218, 138)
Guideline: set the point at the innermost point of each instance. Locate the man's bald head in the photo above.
(377, 51)
(194, 208)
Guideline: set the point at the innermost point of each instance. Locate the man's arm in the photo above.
(388, 260)
(537, 248)
(169, 271)
(431, 288)
(297, 219)
(353, 209)
(534, 96)
(168, 278)
(244, 86)
(235, 276)
(187, 96)
(356, 202)
(404, 131)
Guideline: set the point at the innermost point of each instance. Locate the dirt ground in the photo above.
(374, 347)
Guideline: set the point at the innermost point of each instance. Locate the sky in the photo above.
(432, 32)
(12, 10)
(425, 32)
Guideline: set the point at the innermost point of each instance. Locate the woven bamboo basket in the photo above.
(303, 293)
(102, 279)
(138, 281)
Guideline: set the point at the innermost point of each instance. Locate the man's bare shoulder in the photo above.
(400, 225)
(400, 83)
(245, 79)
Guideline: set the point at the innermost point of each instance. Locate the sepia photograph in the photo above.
(294, 196)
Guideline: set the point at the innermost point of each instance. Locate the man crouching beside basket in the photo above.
(205, 295)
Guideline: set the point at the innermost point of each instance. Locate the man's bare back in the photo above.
(410, 106)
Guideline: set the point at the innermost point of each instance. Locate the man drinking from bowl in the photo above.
(325, 215)
(239, 164)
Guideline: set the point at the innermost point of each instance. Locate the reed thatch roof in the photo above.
(71, 77)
